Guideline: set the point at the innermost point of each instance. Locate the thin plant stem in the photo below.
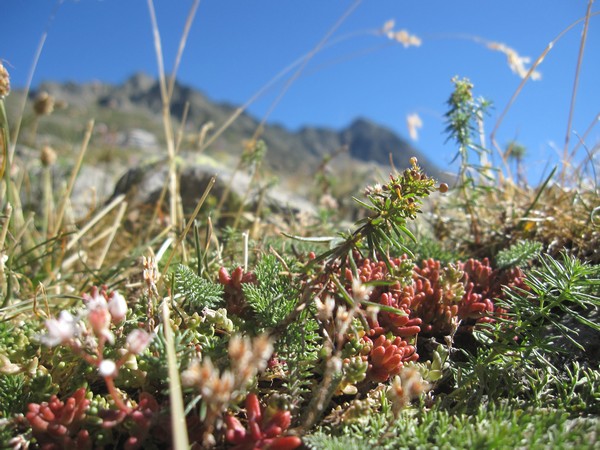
(100, 237)
(48, 201)
(589, 160)
(190, 221)
(166, 93)
(530, 72)
(575, 86)
(34, 63)
(581, 141)
(113, 232)
(181, 129)
(178, 423)
(253, 179)
(269, 85)
(245, 237)
(156, 211)
(303, 65)
(90, 224)
(5, 144)
(5, 225)
(182, 42)
(112, 390)
(74, 172)
(5, 281)
(166, 116)
(202, 135)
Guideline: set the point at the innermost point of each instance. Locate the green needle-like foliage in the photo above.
(519, 254)
(274, 296)
(391, 207)
(197, 292)
(558, 288)
(489, 427)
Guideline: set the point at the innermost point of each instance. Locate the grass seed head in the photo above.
(47, 156)
(4, 82)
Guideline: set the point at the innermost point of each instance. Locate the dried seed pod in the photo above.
(47, 156)
(43, 105)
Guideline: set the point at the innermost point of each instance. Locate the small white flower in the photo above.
(99, 320)
(325, 309)
(376, 189)
(59, 330)
(360, 292)
(138, 340)
(328, 201)
(191, 375)
(107, 368)
(97, 301)
(117, 306)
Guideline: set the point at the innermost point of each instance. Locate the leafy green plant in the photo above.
(274, 295)
(488, 426)
(559, 288)
(520, 254)
(196, 292)
(464, 120)
(390, 207)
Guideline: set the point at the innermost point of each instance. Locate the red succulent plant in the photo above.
(58, 425)
(437, 293)
(264, 429)
(233, 295)
(387, 357)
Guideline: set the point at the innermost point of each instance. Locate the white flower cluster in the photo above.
(87, 332)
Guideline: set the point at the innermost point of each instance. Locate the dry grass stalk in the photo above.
(113, 232)
(3, 256)
(63, 204)
(566, 160)
(529, 74)
(259, 129)
(178, 423)
(206, 128)
(303, 65)
(36, 58)
(182, 42)
(186, 109)
(190, 221)
(166, 93)
(166, 116)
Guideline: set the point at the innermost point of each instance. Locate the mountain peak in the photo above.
(140, 81)
(362, 122)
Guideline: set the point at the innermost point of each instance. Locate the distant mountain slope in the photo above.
(287, 150)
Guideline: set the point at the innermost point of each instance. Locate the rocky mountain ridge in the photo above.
(139, 95)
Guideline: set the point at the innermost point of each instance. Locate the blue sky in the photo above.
(236, 46)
